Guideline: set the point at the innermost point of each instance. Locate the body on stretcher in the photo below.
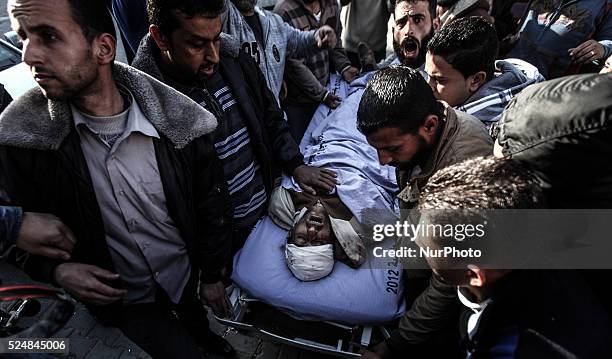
(346, 305)
(345, 311)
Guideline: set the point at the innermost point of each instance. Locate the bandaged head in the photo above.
(310, 262)
(313, 226)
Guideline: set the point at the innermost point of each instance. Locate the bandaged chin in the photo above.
(310, 263)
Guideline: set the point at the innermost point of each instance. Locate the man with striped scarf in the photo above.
(186, 50)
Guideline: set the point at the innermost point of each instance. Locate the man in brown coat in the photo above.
(418, 135)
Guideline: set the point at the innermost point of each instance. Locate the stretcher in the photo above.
(336, 315)
(251, 316)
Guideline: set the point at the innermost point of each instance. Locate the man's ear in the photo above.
(477, 276)
(160, 39)
(106, 48)
(429, 128)
(436, 24)
(476, 80)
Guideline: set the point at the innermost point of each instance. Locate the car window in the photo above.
(8, 57)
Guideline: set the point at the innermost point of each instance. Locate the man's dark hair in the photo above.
(399, 97)
(93, 17)
(469, 44)
(482, 183)
(431, 6)
(161, 11)
(447, 3)
(489, 191)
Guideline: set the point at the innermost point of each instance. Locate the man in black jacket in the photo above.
(128, 165)
(508, 310)
(556, 145)
(5, 98)
(185, 49)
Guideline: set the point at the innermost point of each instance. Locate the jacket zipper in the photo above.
(265, 51)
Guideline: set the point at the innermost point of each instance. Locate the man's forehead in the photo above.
(435, 63)
(25, 7)
(386, 137)
(410, 8)
(198, 26)
(38, 11)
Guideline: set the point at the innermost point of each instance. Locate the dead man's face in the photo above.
(313, 229)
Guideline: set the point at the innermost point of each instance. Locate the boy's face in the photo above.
(447, 83)
(441, 266)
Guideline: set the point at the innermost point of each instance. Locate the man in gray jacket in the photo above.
(269, 40)
(307, 77)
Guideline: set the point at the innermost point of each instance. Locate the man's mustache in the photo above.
(43, 71)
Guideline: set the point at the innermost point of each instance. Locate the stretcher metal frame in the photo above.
(240, 306)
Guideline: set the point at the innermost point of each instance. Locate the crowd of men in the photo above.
(132, 186)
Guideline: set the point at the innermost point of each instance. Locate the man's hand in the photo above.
(331, 100)
(586, 52)
(45, 235)
(310, 178)
(87, 283)
(379, 351)
(326, 37)
(366, 354)
(283, 91)
(214, 296)
(349, 74)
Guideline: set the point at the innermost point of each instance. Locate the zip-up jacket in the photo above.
(43, 169)
(551, 28)
(511, 77)
(281, 41)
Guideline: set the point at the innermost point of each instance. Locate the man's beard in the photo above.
(419, 158)
(245, 5)
(412, 43)
(75, 83)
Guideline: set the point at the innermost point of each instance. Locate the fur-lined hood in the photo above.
(147, 56)
(33, 121)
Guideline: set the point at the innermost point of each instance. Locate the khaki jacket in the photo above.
(463, 137)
